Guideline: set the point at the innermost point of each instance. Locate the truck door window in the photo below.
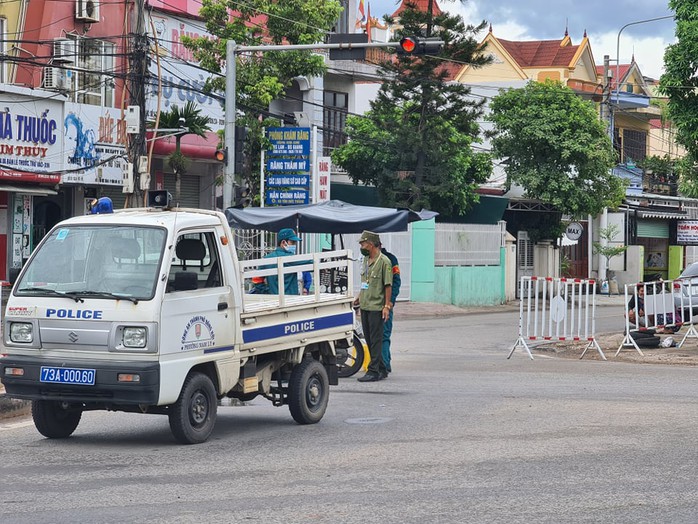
(195, 264)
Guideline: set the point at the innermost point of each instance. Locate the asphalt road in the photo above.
(457, 433)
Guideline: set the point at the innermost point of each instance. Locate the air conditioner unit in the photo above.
(56, 78)
(87, 10)
(64, 50)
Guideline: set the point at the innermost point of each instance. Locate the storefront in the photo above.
(31, 158)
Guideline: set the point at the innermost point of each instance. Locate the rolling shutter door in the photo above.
(118, 197)
(652, 229)
(189, 196)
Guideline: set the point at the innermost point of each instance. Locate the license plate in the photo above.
(85, 377)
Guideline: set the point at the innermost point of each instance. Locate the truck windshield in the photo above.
(111, 262)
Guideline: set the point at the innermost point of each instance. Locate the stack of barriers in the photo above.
(658, 307)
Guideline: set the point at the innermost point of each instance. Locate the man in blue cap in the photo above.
(286, 245)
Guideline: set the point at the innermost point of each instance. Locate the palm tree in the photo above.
(190, 120)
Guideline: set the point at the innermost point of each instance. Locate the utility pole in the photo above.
(607, 118)
(137, 80)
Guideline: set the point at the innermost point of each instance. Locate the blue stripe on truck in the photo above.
(296, 327)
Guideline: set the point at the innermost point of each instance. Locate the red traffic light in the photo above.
(221, 155)
(408, 44)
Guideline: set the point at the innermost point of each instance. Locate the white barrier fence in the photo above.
(662, 306)
(557, 309)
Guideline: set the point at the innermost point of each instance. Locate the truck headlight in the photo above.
(135, 337)
(22, 332)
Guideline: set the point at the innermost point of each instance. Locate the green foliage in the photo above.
(680, 84)
(189, 118)
(659, 165)
(416, 143)
(608, 251)
(262, 77)
(556, 148)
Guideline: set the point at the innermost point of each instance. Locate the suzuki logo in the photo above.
(73, 336)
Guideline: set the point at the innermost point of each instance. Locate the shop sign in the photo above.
(574, 231)
(30, 140)
(95, 145)
(687, 231)
(182, 80)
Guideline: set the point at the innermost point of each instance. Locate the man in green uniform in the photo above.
(374, 301)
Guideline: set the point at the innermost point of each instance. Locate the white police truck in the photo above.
(147, 310)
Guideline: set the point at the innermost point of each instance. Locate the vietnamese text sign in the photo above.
(687, 231)
(324, 165)
(288, 164)
(288, 181)
(95, 145)
(289, 141)
(286, 197)
(31, 134)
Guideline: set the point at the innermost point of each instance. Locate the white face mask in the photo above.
(291, 248)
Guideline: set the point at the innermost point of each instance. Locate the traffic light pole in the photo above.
(231, 52)
(229, 128)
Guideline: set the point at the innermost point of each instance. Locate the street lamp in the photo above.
(603, 220)
(618, 46)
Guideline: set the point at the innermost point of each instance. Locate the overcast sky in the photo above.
(546, 19)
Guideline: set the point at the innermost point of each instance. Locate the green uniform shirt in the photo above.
(374, 277)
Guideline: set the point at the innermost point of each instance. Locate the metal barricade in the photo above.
(557, 309)
(661, 306)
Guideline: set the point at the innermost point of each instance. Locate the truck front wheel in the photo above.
(193, 416)
(53, 419)
(308, 392)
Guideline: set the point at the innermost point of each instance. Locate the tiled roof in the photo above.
(540, 53)
(622, 71)
(422, 5)
(451, 68)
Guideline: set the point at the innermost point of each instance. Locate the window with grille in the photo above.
(524, 250)
(334, 120)
(93, 80)
(634, 145)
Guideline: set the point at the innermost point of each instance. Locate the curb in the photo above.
(11, 407)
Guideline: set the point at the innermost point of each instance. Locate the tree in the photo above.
(605, 249)
(680, 84)
(555, 147)
(192, 122)
(416, 144)
(262, 77)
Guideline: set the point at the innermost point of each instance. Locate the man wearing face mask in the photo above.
(374, 301)
(287, 244)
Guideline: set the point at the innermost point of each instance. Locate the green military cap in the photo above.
(370, 236)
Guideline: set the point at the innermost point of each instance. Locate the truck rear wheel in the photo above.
(308, 392)
(193, 416)
(53, 420)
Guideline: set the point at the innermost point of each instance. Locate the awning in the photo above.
(660, 214)
(28, 190)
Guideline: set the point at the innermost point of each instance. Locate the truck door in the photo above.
(197, 305)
